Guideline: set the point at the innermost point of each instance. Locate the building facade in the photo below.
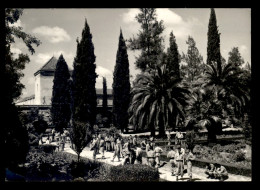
(43, 88)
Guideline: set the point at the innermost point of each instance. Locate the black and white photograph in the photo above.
(127, 95)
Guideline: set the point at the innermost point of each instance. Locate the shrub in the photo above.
(41, 167)
(77, 169)
(239, 156)
(132, 173)
(48, 148)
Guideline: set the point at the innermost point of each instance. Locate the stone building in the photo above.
(43, 88)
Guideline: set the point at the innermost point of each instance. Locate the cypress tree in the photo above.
(104, 102)
(213, 48)
(84, 79)
(173, 57)
(121, 86)
(60, 109)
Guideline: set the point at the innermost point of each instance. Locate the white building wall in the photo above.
(37, 88)
(46, 89)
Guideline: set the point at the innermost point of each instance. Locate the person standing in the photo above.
(189, 157)
(117, 150)
(102, 147)
(148, 147)
(53, 134)
(171, 156)
(139, 155)
(179, 160)
(135, 141)
(107, 139)
(121, 142)
(94, 147)
(151, 158)
(177, 137)
(112, 140)
(40, 141)
(158, 152)
(62, 143)
(47, 141)
(169, 138)
(143, 144)
(126, 150)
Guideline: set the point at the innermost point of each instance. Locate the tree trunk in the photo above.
(212, 137)
(152, 130)
(161, 127)
(78, 157)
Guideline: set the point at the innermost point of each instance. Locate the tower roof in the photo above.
(50, 66)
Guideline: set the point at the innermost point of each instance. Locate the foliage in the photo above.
(84, 79)
(157, 97)
(173, 58)
(121, 86)
(230, 153)
(239, 156)
(104, 102)
(113, 131)
(195, 66)
(40, 126)
(77, 169)
(80, 136)
(235, 58)
(48, 148)
(190, 139)
(134, 173)
(213, 47)
(15, 135)
(149, 40)
(60, 106)
(41, 167)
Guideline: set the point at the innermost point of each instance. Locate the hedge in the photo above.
(132, 173)
(107, 172)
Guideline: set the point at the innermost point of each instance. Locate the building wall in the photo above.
(46, 89)
(37, 88)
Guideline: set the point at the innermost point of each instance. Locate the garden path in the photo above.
(165, 170)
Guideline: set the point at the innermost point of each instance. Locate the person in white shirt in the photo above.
(189, 157)
(171, 156)
(158, 152)
(139, 155)
(179, 156)
(47, 141)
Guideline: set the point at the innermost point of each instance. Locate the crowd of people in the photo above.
(132, 151)
(58, 137)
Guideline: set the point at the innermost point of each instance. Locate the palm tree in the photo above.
(222, 91)
(206, 110)
(230, 89)
(158, 99)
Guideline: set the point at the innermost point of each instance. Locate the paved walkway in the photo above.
(164, 170)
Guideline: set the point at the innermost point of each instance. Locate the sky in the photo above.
(58, 30)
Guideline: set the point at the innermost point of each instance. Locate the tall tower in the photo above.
(44, 82)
